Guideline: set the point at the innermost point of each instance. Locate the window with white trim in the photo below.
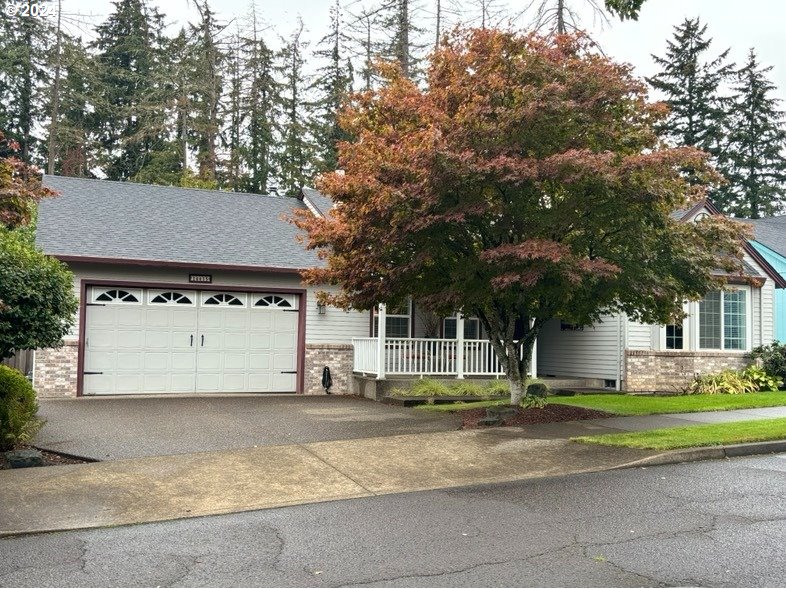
(675, 337)
(273, 301)
(397, 321)
(723, 320)
(223, 299)
(170, 298)
(471, 328)
(117, 296)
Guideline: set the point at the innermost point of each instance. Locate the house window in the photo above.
(723, 320)
(170, 298)
(115, 296)
(273, 301)
(734, 320)
(471, 328)
(674, 337)
(223, 300)
(397, 321)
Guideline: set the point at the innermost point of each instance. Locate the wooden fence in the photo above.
(22, 361)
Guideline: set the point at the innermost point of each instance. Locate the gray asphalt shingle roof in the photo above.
(320, 202)
(124, 220)
(770, 232)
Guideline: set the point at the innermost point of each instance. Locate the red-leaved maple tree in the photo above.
(20, 187)
(523, 182)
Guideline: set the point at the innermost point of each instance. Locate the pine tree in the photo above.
(234, 117)
(25, 43)
(72, 138)
(756, 143)
(260, 103)
(691, 83)
(294, 157)
(332, 86)
(486, 13)
(131, 115)
(206, 95)
(182, 74)
(363, 29)
(398, 19)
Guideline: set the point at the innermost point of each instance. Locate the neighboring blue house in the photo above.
(770, 242)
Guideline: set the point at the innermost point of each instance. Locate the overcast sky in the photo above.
(731, 23)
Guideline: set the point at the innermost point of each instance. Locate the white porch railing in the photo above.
(365, 354)
(426, 357)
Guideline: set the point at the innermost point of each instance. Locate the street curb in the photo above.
(709, 453)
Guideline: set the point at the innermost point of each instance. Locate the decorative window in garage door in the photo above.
(117, 296)
(223, 299)
(273, 301)
(170, 297)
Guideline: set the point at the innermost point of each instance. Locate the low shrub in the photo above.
(425, 387)
(18, 408)
(763, 380)
(468, 389)
(537, 389)
(773, 359)
(733, 382)
(533, 401)
(498, 388)
(428, 387)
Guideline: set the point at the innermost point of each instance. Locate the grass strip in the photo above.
(716, 434)
(652, 405)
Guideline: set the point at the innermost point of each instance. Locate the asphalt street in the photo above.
(718, 523)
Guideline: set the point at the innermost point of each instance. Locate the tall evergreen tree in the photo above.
(131, 115)
(399, 22)
(260, 103)
(25, 43)
(332, 85)
(363, 30)
(72, 137)
(294, 157)
(691, 82)
(234, 117)
(207, 90)
(563, 16)
(756, 142)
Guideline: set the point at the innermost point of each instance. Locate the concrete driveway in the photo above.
(112, 428)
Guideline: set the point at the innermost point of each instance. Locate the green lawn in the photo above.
(648, 405)
(642, 405)
(714, 434)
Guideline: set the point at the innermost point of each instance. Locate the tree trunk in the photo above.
(514, 357)
(518, 389)
(561, 29)
(55, 98)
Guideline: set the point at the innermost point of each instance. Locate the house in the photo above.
(197, 291)
(770, 242)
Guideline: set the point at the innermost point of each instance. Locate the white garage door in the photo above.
(181, 341)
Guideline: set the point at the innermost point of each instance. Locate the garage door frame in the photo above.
(85, 284)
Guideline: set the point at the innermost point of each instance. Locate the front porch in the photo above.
(384, 357)
(458, 357)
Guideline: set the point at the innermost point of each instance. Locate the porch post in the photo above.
(533, 361)
(459, 345)
(381, 336)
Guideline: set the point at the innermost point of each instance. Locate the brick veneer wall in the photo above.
(670, 371)
(336, 356)
(55, 370)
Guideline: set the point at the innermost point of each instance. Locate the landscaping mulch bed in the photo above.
(548, 414)
(50, 458)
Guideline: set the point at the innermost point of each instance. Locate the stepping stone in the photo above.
(24, 458)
